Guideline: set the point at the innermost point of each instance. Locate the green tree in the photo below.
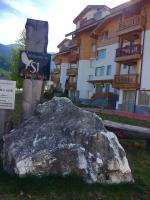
(15, 59)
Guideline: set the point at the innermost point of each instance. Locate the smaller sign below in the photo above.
(35, 65)
(7, 94)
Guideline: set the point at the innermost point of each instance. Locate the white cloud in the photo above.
(58, 13)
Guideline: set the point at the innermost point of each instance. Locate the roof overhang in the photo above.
(88, 8)
(63, 52)
(65, 40)
(116, 11)
(82, 29)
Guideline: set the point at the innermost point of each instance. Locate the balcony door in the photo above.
(126, 69)
(129, 100)
(99, 88)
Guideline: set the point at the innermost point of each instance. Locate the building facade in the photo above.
(106, 63)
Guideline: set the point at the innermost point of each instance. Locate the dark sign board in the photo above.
(34, 65)
(36, 36)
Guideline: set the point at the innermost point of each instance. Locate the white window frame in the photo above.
(101, 56)
(99, 73)
(107, 74)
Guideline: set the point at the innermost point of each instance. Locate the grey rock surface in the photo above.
(63, 139)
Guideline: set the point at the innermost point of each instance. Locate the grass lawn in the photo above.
(125, 120)
(73, 188)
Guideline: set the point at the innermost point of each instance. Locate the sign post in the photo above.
(7, 102)
(34, 64)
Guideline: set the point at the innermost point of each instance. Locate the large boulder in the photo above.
(62, 139)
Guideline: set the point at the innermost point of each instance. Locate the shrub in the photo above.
(48, 96)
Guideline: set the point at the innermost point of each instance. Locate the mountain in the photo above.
(5, 56)
(5, 50)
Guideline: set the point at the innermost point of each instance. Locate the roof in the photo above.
(61, 53)
(83, 28)
(115, 12)
(86, 9)
(62, 42)
(121, 7)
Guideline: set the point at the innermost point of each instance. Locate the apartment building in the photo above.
(112, 67)
(66, 67)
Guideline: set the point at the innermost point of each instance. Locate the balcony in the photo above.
(102, 95)
(131, 24)
(100, 79)
(55, 78)
(73, 58)
(87, 22)
(128, 53)
(71, 85)
(57, 71)
(57, 60)
(74, 43)
(72, 72)
(127, 81)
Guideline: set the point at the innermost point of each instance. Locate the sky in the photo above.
(59, 14)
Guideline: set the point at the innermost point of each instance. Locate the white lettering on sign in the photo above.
(7, 94)
(33, 66)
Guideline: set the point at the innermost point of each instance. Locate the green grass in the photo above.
(73, 188)
(125, 120)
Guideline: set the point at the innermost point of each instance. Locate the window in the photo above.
(72, 79)
(125, 66)
(109, 70)
(104, 36)
(58, 66)
(144, 98)
(98, 15)
(73, 66)
(107, 88)
(92, 62)
(93, 47)
(99, 88)
(100, 71)
(102, 54)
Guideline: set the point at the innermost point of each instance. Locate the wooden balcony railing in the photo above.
(128, 53)
(133, 23)
(72, 72)
(57, 61)
(71, 85)
(57, 71)
(129, 50)
(55, 78)
(127, 81)
(87, 22)
(75, 42)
